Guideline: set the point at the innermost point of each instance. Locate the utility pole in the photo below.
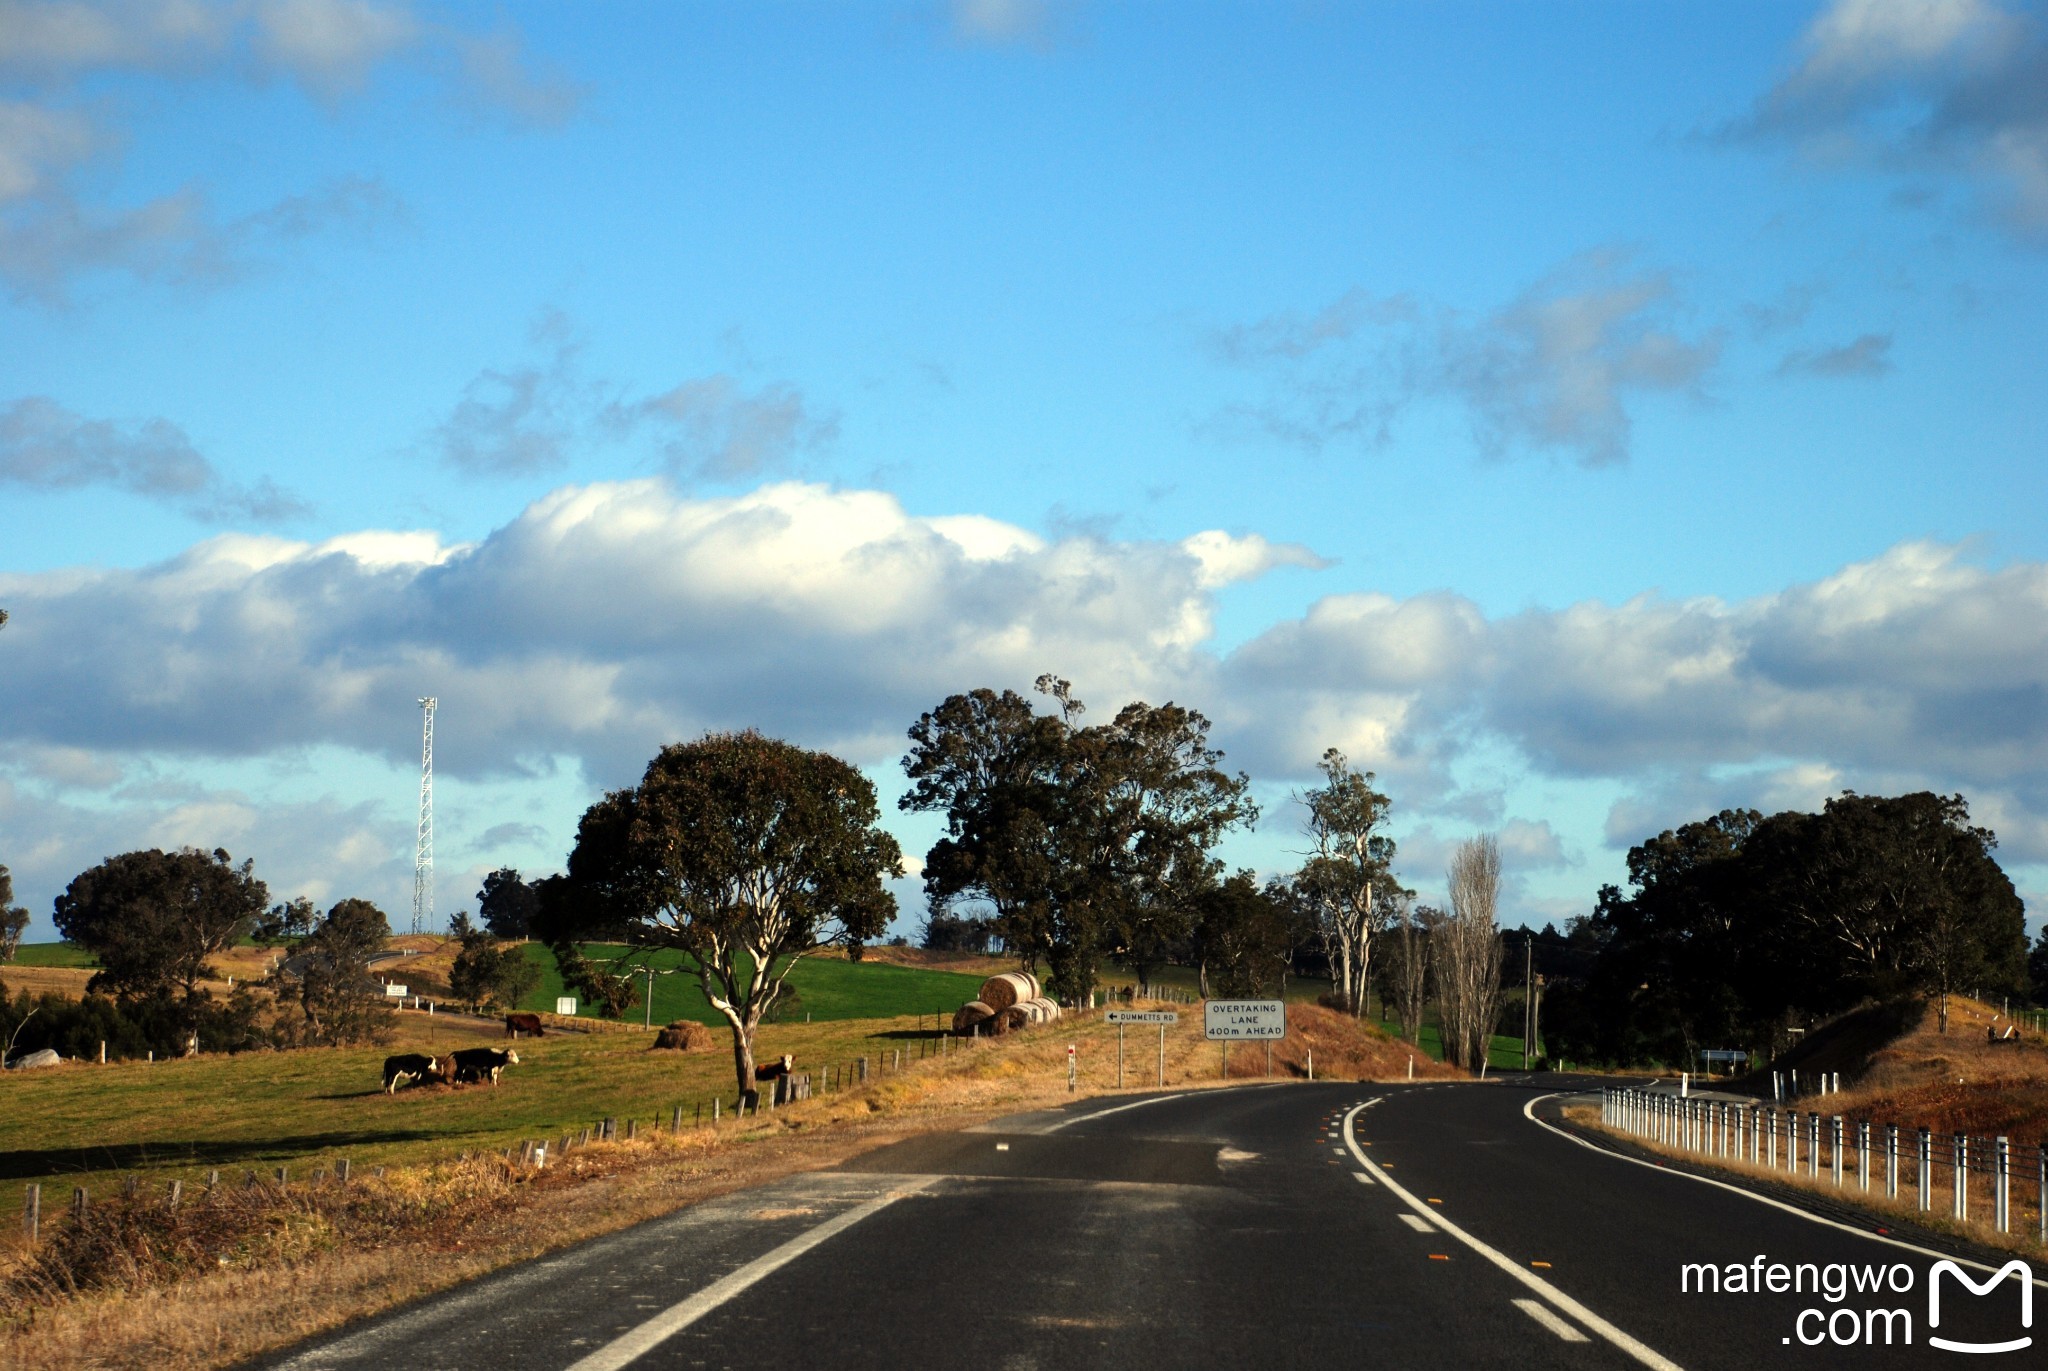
(1528, 995)
(423, 850)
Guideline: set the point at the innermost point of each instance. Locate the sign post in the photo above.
(1228, 1021)
(1120, 1017)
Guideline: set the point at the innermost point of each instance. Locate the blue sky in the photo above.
(1587, 416)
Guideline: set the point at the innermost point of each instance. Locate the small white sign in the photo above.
(566, 1005)
(396, 992)
(1141, 1016)
(1233, 1020)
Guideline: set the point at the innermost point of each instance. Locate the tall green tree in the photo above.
(506, 904)
(1348, 877)
(1087, 841)
(486, 973)
(285, 923)
(327, 976)
(13, 918)
(154, 919)
(1245, 936)
(747, 854)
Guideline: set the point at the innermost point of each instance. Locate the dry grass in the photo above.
(1957, 1082)
(261, 1267)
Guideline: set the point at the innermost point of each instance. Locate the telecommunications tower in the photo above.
(423, 853)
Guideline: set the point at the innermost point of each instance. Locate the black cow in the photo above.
(406, 1068)
(483, 1063)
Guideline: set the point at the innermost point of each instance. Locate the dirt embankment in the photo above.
(1961, 1081)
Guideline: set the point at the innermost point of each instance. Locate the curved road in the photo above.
(1282, 1225)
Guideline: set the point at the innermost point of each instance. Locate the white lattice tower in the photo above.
(423, 852)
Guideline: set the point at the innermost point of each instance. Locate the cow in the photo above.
(771, 1072)
(407, 1067)
(515, 1024)
(481, 1063)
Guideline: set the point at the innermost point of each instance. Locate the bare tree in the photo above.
(1407, 976)
(1468, 953)
(1347, 879)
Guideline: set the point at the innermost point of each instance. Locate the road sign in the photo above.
(1236, 1020)
(1141, 1016)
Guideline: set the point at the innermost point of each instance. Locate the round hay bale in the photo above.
(1041, 1010)
(1012, 987)
(685, 1036)
(1005, 1020)
(970, 1016)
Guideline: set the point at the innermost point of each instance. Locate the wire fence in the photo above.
(1970, 1179)
(536, 1153)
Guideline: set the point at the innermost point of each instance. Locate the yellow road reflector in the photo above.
(1434, 1200)
(1544, 1265)
(1438, 1257)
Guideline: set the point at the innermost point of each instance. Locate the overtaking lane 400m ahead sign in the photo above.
(1232, 1020)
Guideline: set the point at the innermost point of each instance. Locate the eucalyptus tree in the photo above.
(744, 853)
(1348, 876)
(1087, 841)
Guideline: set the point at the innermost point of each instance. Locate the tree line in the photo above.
(1737, 929)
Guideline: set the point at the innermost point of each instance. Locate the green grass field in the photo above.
(87, 1125)
(830, 990)
(53, 954)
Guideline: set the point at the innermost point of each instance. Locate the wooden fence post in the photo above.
(177, 1193)
(32, 1212)
(341, 1169)
(78, 1203)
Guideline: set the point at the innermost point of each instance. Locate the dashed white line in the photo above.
(1550, 1320)
(1364, 1179)
(1564, 1303)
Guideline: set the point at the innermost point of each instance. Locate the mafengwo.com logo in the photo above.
(1874, 1305)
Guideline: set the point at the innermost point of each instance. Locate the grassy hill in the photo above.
(829, 989)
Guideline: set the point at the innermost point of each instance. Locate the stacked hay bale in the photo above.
(1011, 1000)
(685, 1036)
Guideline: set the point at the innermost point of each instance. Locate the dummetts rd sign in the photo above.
(1234, 1020)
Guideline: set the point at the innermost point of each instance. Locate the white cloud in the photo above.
(57, 132)
(608, 619)
(44, 446)
(1868, 355)
(712, 428)
(1555, 369)
(1949, 87)
(1005, 23)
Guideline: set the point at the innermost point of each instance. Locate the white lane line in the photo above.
(629, 1347)
(1105, 1113)
(1364, 1179)
(1565, 1303)
(1550, 1320)
(1528, 1113)
(1420, 1225)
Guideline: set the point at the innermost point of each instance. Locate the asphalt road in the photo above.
(1265, 1226)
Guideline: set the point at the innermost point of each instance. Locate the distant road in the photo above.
(1328, 1225)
